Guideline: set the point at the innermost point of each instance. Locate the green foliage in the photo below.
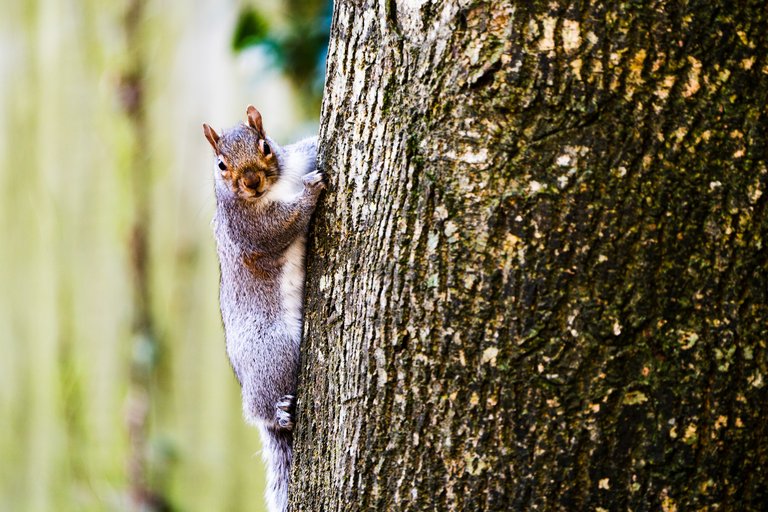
(251, 29)
(298, 49)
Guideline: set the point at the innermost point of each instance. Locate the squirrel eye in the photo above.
(265, 148)
(222, 166)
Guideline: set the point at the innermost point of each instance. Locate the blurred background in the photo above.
(115, 389)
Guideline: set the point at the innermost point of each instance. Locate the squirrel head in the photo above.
(245, 159)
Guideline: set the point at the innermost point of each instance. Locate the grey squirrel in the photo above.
(265, 196)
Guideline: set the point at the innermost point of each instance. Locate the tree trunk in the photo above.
(538, 279)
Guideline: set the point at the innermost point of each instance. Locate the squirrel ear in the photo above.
(254, 120)
(212, 136)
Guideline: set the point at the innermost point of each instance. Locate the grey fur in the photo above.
(260, 241)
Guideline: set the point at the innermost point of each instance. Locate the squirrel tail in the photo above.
(277, 452)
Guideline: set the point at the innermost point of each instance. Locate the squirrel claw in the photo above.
(284, 411)
(315, 179)
(286, 403)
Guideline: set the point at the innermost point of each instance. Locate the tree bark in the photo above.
(538, 278)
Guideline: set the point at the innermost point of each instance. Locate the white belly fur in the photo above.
(292, 287)
(296, 164)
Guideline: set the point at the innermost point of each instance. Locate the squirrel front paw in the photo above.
(284, 409)
(315, 181)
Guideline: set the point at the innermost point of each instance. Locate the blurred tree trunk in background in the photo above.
(77, 185)
(145, 495)
(539, 278)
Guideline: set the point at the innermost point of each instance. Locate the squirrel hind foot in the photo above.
(284, 412)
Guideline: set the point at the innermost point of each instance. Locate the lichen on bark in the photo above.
(538, 279)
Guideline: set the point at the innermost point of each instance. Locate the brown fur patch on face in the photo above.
(250, 173)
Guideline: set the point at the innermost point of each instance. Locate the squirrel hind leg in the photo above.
(284, 412)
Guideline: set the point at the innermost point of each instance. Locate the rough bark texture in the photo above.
(538, 280)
